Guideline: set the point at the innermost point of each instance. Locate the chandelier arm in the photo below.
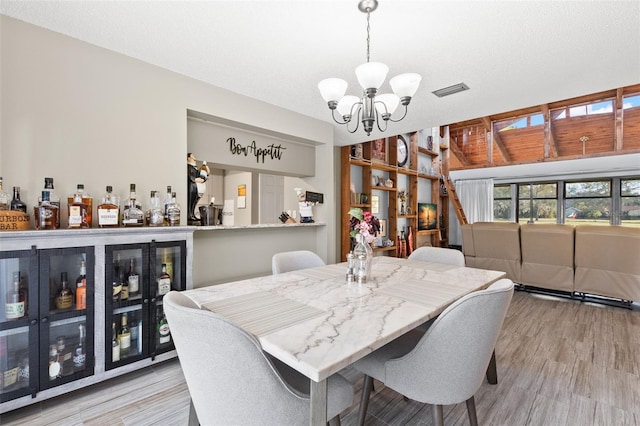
(357, 118)
(378, 123)
(406, 109)
(333, 115)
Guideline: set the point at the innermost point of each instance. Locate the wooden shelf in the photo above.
(430, 177)
(384, 167)
(405, 171)
(422, 150)
(407, 216)
(359, 161)
(383, 188)
(381, 249)
(366, 206)
(429, 232)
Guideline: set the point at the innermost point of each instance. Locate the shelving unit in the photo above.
(420, 172)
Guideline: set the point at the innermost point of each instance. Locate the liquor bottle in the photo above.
(164, 281)
(132, 280)
(55, 367)
(64, 298)
(132, 214)
(166, 202)
(124, 336)
(155, 215)
(65, 357)
(53, 197)
(204, 171)
(134, 329)
(16, 203)
(46, 214)
(117, 278)
(79, 353)
(81, 287)
(173, 211)
(167, 259)
(15, 303)
(115, 344)
(5, 200)
(164, 334)
(78, 209)
(109, 210)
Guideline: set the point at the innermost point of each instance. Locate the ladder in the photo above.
(453, 196)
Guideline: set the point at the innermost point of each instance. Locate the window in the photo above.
(502, 211)
(519, 123)
(604, 107)
(631, 102)
(537, 202)
(630, 202)
(587, 202)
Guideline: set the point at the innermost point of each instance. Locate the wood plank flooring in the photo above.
(560, 362)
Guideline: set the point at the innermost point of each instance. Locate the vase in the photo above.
(364, 248)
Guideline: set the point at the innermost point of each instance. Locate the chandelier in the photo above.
(371, 107)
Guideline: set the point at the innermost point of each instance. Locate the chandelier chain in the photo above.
(368, 28)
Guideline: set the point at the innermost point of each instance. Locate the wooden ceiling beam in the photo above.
(617, 144)
(453, 146)
(550, 144)
(495, 136)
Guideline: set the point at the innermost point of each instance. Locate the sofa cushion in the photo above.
(547, 255)
(497, 247)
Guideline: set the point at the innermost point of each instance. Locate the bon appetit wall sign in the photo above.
(272, 152)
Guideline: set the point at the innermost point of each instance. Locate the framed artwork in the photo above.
(403, 151)
(375, 204)
(427, 216)
(356, 151)
(380, 151)
(383, 228)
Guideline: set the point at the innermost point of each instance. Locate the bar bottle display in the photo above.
(154, 215)
(132, 214)
(46, 214)
(79, 207)
(16, 203)
(15, 306)
(109, 210)
(64, 298)
(54, 199)
(81, 287)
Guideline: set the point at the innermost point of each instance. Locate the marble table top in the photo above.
(317, 323)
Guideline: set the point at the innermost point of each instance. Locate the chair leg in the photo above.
(438, 418)
(364, 400)
(492, 370)
(471, 409)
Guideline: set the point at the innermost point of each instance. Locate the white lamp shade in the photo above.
(371, 75)
(389, 100)
(405, 84)
(332, 89)
(346, 103)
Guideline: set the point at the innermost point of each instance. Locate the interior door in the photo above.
(271, 198)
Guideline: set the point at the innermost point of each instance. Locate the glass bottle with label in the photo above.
(164, 334)
(117, 278)
(15, 307)
(132, 214)
(16, 203)
(167, 258)
(64, 298)
(81, 287)
(166, 202)
(124, 336)
(79, 353)
(173, 211)
(54, 199)
(65, 356)
(46, 214)
(164, 281)
(79, 209)
(115, 344)
(55, 367)
(5, 200)
(155, 215)
(109, 210)
(133, 280)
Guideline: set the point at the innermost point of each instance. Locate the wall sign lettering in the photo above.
(272, 151)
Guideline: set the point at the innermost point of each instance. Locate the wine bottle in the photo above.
(164, 334)
(109, 210)
(5, 200)
(16, 203)
(133, 280)
(79, 353)
(15, 302)
(164, 281)
(115, 344)
(64, 298)
(81, 287)
(46, 214)
(124, 336)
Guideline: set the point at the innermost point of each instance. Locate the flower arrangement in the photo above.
(363, 223)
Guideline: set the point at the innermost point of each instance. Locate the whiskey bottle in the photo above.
(204, 171)
(55, 366)
(164, 281)
(133, 280)
(132, 214)
(117, 278)
(155, 215)
(81, 287)
(64, 298)
(115, 344)
(15, 301)
(173, 211)
(164, 334)
(16, 203)
(78, 209)
(79, 352)
(5, 200)
(65, 357)
(124, 336)
(109, 210)
(46, 214)
(167, 259)
(54, 199)
(166, 202)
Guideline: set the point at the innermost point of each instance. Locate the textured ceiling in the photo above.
(512, 54)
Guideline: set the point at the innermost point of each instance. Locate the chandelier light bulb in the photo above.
(345, 105)
(405, 85)
(386, 103)
(371, 75)
(332, 89)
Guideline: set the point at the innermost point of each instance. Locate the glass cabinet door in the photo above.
(127, 310)
(18, 324)
(66, 315)
(168, 265)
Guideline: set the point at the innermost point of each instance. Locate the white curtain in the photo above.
(476, 198)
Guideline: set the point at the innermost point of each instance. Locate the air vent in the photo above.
(460, 87)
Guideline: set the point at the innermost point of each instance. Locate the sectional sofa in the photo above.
(582, 260)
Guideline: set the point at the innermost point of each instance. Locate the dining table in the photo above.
(318, 323)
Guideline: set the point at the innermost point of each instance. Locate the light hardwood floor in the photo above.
(560, 362)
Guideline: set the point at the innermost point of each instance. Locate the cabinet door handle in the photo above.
(145, 301)
(45, 319)
(33, 322)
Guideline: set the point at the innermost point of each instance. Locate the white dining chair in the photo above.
(232, 381)
(446, 365)
(438, 255)
(294, 260)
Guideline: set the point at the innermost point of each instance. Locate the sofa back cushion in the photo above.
(497, 246)
(547, 255)
(467, 245)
